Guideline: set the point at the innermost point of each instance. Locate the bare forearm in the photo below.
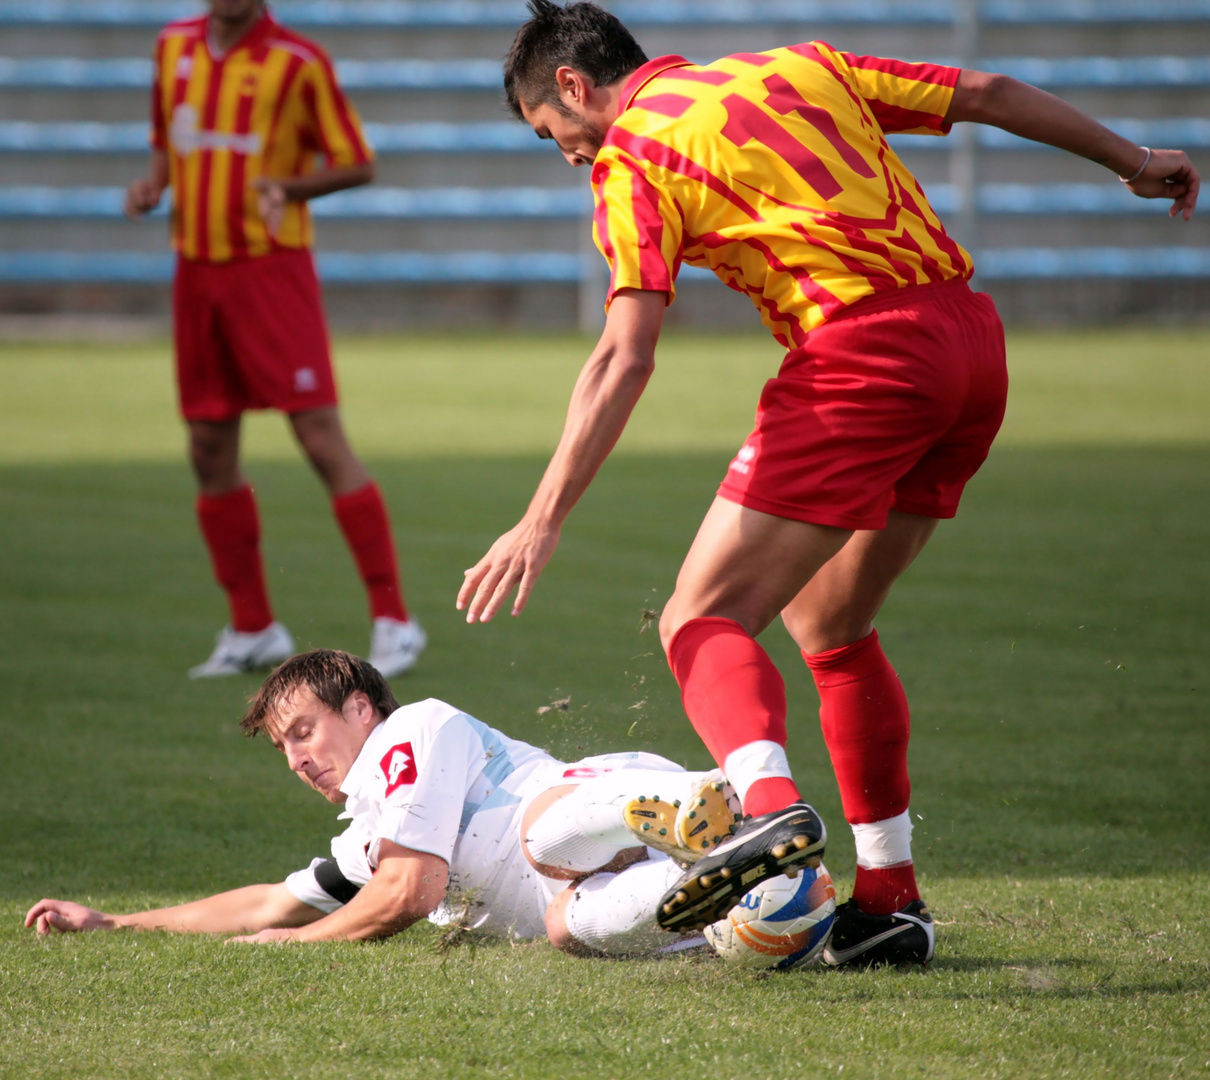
(246, 910)
(326, 181)
(605, 395)
(1033, 114)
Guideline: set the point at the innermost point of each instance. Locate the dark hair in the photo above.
(580, 36)
(331, 675)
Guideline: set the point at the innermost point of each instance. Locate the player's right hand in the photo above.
(143, 195)
(514, 560)
(1169, 175)
(48, 916)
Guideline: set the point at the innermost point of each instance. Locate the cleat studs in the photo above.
(676, 804)
(780, 851)
(737, 817)
(681, 897)
(705, 844)
(791, 872)
(725, 873)
(717, 785)
(642, 798)
(705, 881)
(655, 798)
(646, 825)
(701, 802)
(669, 909)
(663, 832)
(800, 842)
(814, 862)
(692, 814)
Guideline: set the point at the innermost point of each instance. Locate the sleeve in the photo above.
(159, 127)
(637, 225)
(904, 97)
(427, 783)
(322, 885)
(335, 126)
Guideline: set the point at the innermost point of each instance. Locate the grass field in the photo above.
(1053, 641)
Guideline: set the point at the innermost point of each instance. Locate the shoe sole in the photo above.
(707, 894)
(685, 832)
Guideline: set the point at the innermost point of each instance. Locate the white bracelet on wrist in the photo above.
(1146, 160)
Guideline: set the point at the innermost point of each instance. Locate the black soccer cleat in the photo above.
(860, 940)
(761, 847)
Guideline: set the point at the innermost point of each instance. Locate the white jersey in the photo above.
(433, 779)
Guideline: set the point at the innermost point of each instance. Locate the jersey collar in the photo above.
(642, 76)
(361, 772)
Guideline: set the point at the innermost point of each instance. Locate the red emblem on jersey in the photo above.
(399, 766)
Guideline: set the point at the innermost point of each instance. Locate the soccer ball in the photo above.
(782, 923)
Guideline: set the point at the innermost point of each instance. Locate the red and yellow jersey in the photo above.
(266, 108)
(773, 170)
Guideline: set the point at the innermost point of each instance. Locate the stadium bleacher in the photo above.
(505, 212)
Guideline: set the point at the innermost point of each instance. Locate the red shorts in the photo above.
(894, 403)
(250, 334)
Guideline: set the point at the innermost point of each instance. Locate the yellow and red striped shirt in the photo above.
(267, 108)
(773, 170)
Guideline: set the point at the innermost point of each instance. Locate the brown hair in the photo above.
(330, 674)
(581, 36)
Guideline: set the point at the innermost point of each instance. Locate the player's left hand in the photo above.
(265, 937)
(516, 559)
(270, 203)
(1169, 175)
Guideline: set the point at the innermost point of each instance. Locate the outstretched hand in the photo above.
(515, 560)
(1169, 175)
(64, 917)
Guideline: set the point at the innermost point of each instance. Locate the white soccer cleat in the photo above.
(685, 828)
(396, 646)
(235, 652)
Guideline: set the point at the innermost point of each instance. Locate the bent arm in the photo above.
(606, 392)
(321, 182)
(407, 887)
(1017, 107)
(250, 909)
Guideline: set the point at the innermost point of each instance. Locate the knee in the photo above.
(557, 931)
(670, 623)
(214, 458)
(813, 634)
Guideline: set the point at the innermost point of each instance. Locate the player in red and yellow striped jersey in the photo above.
(242, 110)
(774, 170)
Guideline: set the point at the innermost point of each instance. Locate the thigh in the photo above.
(272, 317)
(837, 606)
(746, 565)
(209, 386)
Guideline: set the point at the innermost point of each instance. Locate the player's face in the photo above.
(320, 743)
(234, 11)
(578, 135)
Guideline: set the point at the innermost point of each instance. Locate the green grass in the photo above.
(1053, 641)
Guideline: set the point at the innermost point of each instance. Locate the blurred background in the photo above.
(475, 222)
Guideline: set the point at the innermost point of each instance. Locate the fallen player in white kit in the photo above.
(455, 822)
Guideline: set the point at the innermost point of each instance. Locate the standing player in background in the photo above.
(773, 169)
(241, 106)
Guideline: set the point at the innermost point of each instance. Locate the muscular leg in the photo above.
(358, 506)
(230, 525)
(743, 568)
(863, 710)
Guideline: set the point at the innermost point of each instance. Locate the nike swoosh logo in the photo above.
(840, 956)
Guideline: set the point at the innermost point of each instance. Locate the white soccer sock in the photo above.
(615, 913)
(557, 840)
(755, 761)
(884, 843)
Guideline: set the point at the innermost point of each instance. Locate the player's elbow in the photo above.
(982, 97)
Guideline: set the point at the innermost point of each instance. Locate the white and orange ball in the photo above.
(782, 923)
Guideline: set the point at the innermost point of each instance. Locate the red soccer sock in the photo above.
(231, 528)
(733, 695)
(362, 516)
(864, 715)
